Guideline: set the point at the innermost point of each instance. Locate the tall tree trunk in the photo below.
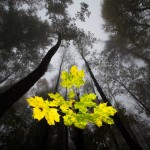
(58, 78)
(8, 98)
(67, 142)
(67, 128)
(62, 140)
(79, 134)
(59, 126)
(114, 138)
(79, 139)
(126, 135)
(62, 131)
(137, 100)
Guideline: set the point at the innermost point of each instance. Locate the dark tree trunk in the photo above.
(67, 142)
(8, 98)
(79, 134)
(126, 135)
(44, 141)
(60, 126)
(79, 139)
(62, 140)
(114, 138)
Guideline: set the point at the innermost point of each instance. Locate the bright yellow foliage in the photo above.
(71, 94)
(102, 113)
(72, 79)
(36, 102)
(38, 113)
(52, 116)
(74, 112)
(57, 99)
(41, 109)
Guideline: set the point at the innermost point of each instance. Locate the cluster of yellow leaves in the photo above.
(102, 113)
(41, 109)
(50, 109)
(74, 112)
(72, 79)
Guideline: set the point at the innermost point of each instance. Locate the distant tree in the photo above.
(129, 25)
(22, 35)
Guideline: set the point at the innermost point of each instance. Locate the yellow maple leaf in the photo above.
(36, 101)
(52, 116)
(71, 94)
(98, 122)
(72, 79)
(74, 70)
(38, 113)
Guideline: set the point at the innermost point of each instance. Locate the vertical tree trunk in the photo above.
(126, 135)
(66, 131)
(79, 134)
(58, 78)
(66, 128)
(79, 139)
(8, 98)
(44, 141)
(114, 139)
(62, 130)
(137, 100)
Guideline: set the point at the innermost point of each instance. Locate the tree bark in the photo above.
(126, 135)
(79, 139)
(8, 98)
(114, 139)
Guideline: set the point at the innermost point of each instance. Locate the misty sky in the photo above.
(94, 22)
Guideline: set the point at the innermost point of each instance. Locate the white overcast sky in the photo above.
(94, 22)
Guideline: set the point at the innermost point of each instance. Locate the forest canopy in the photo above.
(39, 39)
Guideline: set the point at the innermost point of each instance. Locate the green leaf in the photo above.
(85, 102)
(57, 99)
(81, 107)
(81, 121)
(73, 79)
(71, 94)
(103, 113)
(69, 118)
